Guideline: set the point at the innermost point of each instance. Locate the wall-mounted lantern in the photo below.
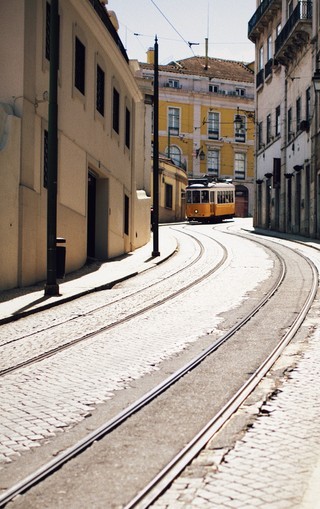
(316, 80)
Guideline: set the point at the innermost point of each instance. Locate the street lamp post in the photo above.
(155, 215)
(51, 287)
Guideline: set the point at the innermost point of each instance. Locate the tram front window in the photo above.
(205, 197)
(196, 197)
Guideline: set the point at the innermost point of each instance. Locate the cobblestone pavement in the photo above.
(275, 463)
(40, 400)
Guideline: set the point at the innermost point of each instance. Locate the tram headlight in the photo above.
(196, 211)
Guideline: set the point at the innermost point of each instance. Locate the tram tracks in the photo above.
(150, 493)
(49, 352)
(154, 488)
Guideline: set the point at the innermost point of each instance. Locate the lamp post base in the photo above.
(51, 290)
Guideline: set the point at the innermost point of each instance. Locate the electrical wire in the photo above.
(188, 43)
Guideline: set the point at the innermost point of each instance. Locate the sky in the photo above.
(178, 22)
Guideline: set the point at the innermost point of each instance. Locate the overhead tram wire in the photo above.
(188, 43)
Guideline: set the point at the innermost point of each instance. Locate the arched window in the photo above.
(175, 154)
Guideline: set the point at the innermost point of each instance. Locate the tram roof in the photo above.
(209, 182)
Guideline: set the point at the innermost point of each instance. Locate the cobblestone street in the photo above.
(275, 464)
(267, 456)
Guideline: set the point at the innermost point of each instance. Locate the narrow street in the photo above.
(101, 366)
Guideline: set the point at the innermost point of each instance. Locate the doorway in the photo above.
(242, 201)
(91, 220)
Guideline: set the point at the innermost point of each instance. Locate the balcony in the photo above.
(265, 13)
(295, 33)
(268, 68)
(260, 78)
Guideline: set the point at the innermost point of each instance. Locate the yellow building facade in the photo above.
(206, 120)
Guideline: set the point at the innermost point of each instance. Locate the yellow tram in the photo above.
(210, 200)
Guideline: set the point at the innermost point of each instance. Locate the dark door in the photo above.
(241, 201)
(91, 224)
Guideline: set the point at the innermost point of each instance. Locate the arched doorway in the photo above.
(242, 201)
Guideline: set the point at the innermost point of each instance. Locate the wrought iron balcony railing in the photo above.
(264, 7)
(301, 13)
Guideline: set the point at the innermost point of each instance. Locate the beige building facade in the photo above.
(104, 139)
(172, 184)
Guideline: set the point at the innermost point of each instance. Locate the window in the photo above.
(45, 158)
(128, 128)
(126, 214)
(205, 196)
(213, 162)
(47, 41)
(278, 128)
(298, 113)
(100, 80)
(241, 92)
(196, 196)
(116, 110)
(214, 88)
(174, 84)
(290, 132)
(168, 196)
(173, 121)
(278, 29)
(239, 165)
(308, 105)
(268, 128)
(80, 66)
(261, 59)
(276, 172)
(175, 154)
(269, 48)
(260, 135)
(213, 125)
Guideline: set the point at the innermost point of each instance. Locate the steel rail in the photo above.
(90, 335)
(158, 485)
(53, 465)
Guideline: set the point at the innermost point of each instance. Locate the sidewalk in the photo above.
(20, 302)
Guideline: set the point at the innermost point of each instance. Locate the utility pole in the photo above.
(155, 218)
(51, 287)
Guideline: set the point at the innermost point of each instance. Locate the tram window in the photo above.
(211, 197)
(189, 197)
(204, 196)
(196, 197)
